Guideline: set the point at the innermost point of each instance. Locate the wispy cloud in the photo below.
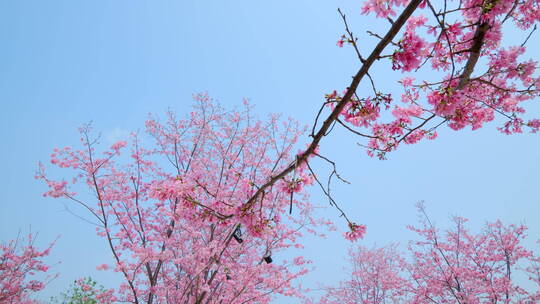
(116, 134)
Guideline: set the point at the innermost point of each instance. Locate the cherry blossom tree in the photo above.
(456, 266)
(376, 278)
(20, 265)
(171, 209)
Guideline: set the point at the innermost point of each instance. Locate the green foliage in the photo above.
(82, 291)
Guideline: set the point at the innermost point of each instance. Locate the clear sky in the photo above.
(65, 62)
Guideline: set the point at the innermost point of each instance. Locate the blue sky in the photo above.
(64, 63)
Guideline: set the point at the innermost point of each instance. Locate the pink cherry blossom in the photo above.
(355, 233)
(454, 266)
(446, 41)
(174, 215)
(20, 266)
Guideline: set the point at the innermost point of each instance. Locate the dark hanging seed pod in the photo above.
(237, 234)
(268, 259)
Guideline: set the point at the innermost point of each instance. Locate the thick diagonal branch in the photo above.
(301, 158)
(475, 50)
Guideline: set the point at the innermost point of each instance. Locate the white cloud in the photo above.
(116, 134)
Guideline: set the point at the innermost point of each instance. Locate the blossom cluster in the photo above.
(480, 78)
